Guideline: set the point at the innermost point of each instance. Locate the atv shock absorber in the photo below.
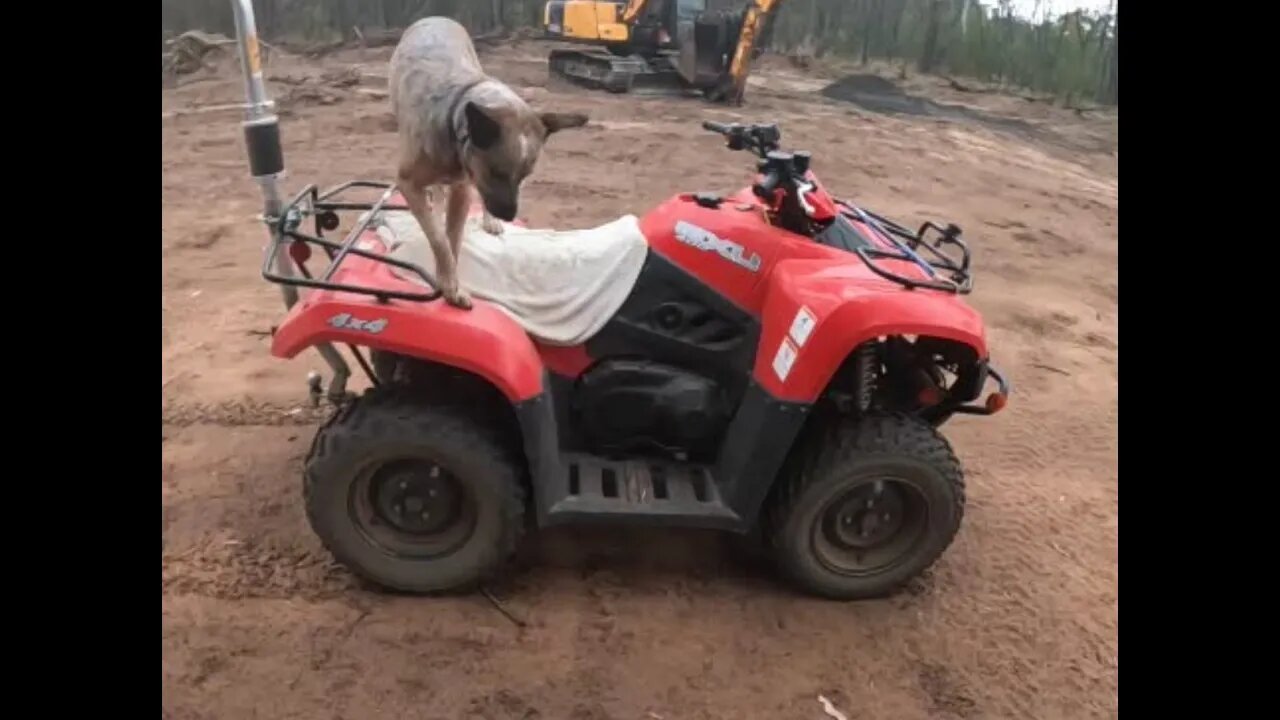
(866, 370)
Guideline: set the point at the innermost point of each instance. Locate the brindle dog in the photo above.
(460, 128)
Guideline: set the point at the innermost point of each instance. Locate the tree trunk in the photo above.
(1109, 83)
(897, 29)
(496, 11)
(929, 56)
(866, 26)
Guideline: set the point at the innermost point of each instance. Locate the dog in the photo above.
(461, 129)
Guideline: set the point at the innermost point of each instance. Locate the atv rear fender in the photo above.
(484, 340)
(842, 308)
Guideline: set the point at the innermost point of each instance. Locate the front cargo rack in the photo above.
(323, 208)
(947, 274)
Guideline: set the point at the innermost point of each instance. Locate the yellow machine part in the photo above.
(584, 20)
(752, 24)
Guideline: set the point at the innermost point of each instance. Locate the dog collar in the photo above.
(460, 136)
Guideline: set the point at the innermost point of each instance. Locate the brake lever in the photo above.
(803, 189)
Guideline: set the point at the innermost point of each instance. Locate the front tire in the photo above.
(867, 508)
(411, 496)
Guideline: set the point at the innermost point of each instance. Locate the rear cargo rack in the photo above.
(323, 208)
(947, 274)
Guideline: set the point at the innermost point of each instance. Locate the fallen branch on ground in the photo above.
(201, 110)
(957, 85)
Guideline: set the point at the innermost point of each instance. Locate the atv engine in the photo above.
(628, 406)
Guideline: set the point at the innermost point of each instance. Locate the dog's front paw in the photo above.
(457, 297)
(491, 225)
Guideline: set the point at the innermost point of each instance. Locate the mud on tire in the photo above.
(867, 506)
(412, 496)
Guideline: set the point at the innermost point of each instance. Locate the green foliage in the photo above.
(1073, 56)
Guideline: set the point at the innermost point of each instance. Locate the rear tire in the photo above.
(867, 508)
(411, 496)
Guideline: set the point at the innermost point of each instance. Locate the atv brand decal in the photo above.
(785, 358)
(706, 241)
(802, 326)
(344, 321)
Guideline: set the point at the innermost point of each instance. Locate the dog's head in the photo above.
(504, 146)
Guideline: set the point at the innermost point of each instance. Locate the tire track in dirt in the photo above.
(1039, 540)
(238, 570)
(242, 413)
(233, 523)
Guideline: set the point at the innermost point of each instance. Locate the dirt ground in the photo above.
(1018, 620)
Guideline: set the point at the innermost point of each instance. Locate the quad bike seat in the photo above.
(561, 286)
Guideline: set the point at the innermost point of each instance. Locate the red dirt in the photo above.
(1019, 618)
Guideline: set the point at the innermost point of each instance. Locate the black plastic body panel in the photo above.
(638, 406)
(755, 446)
(670, 318)
(673, 318)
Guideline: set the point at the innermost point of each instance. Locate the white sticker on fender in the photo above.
(785, 358)
(802, 326)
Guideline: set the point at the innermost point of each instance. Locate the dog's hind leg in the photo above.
(419, 202)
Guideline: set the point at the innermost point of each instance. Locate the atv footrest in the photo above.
(643, 490)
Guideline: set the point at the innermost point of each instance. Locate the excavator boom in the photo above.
(735, 85)
(633, 10)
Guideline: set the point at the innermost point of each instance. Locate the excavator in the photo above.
(658, 46)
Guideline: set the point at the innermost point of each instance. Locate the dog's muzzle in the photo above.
(502, 211)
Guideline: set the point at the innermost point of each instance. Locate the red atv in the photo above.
(781, 365)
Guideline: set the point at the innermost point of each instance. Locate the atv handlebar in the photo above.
(790, 170)
(760, 139)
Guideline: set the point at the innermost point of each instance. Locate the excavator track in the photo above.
(601, 70)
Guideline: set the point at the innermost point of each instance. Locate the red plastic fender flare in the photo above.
(842, 309)
(483, 340)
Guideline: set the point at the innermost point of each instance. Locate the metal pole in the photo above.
(266, 163)
(255, 90)
(261, 129)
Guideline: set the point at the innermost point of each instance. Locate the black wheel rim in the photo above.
(412, 508)
(871, 526)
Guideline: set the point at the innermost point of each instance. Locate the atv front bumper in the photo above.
(996, 401)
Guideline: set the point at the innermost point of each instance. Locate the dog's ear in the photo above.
(555, 122)
(484, 130)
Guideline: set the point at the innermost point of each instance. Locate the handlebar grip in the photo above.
(764, 189)
(715, 127)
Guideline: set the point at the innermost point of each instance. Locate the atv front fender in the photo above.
(483, 340)
(843, 307)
